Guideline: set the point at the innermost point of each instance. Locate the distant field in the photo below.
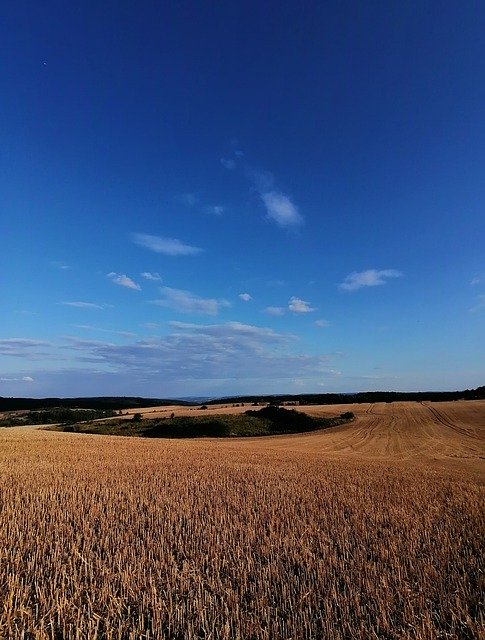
(374, 529)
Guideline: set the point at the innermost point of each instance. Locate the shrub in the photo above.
(284, 419)
(189, 428)
(348, 415)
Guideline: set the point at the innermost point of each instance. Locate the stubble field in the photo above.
(369, 530)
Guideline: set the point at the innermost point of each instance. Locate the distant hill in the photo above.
(106, 403)
(351, 398)
(111, 403)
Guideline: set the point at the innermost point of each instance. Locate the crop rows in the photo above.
(124, 538)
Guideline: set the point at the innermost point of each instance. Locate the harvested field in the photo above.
(440, 432)
(369, 530)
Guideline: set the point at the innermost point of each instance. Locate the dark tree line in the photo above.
(366, 396)
(115, 403)
(101, 403)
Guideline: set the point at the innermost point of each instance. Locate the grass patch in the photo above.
(53, 416)
(267, 421)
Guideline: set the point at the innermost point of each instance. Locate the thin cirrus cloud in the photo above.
(167, 246)
(23, 379)
(123, 281)
(234, 330)
(154, 277)
(79, 304)
(202, 355)
(281, 209)
(206, 352)
(230, 160)
(88, 327)
(190, 199)
(369, 278)
(274, 311)
(31, 350)
(297, 305)
(228, 163)
(20, 346)
(151, 326)
(187, 302)
(479, 304)
(215, 210)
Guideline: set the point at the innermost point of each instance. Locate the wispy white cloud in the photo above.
(322, 324)
(187, 302)
(83, 305)
(245, 297)
(60, 265)
(231, 329)
(263, 181)
(231, 160)
(215, 210)
(228, 163)
(192, 200)
(151, 326)
(196, 352)
(297, 305)
(237, 148)
(281, 209)
(167, 246)
(88, 327)
(123, 281)
(475, 281)
(74, 342)
(189, 199)
(274, 311)
(200, 357)
(23, 379)
(479, 304)
(24, 348)
(155, 277)
(23, 342)
(369, 278)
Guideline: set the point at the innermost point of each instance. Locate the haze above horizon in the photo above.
(215, 200)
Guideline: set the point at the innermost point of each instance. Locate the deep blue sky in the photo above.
(211, 198)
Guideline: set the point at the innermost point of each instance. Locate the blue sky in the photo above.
(241, 197)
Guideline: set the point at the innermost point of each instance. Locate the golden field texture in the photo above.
(369, 530)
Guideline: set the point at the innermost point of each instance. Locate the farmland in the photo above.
(370, 529)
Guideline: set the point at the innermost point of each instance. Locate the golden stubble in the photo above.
(370, 530)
